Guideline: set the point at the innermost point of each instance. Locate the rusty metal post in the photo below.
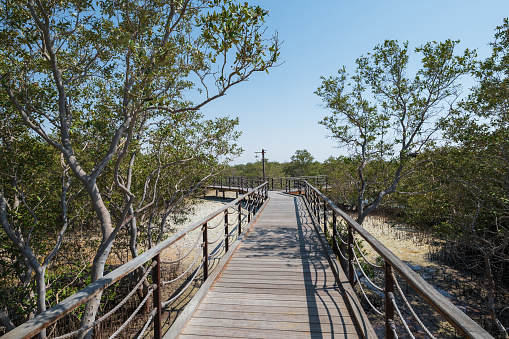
(156, 297)
(351, 273)
(335, 247)
(325, 226)
(205, 253)
(315, 205)
(226, 237)
(248, 209)
(389, 307)
(240, 218)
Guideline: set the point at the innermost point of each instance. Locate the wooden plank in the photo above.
(202, 332)
(278, 291)
(273, 317)
(222, 324)
(278, 284)
(191, 307)
(267, 298)
(240, 310)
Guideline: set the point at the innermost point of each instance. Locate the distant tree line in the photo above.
(302, 164)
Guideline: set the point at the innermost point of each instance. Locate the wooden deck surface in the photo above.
(278, 284)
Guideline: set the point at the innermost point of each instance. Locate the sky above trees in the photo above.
(280, 112)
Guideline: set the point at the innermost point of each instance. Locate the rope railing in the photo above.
(410, 308)
(172, 299)
(131, 317)
(395, 305)
(345, 245)
(115, 309)
(366, 260)
(193, 247)
(274, 183)
(377, 311)
(234, 217)
(365, 276)
(183, 273)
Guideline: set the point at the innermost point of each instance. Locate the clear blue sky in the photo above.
(279, 111)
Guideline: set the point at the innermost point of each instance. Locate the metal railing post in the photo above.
(389, 307)
(325, 226)
(156, 297)
(351, 273)
(315, 205)
(248, 209)
(240, 218)
(205, 253)
(334, 234)
(226, 237)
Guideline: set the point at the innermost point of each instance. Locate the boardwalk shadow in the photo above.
(330, 294)
(290, 239)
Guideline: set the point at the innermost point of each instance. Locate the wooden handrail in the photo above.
(50, 316)
(459, 320)
(274, 182)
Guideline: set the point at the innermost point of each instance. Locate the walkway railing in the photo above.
(209, 239)
(276, 183)
(346, 236)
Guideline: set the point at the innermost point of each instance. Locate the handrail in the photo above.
(282, 183)
(56, 312)
(459, 320)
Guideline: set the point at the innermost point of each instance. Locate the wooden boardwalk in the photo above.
(278, 284)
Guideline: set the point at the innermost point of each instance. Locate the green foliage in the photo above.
(385, 116)
(96, 123)
(302, 164)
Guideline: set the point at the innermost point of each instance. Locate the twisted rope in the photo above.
(233, 209)
(365, 296)
(144, 329)
(132, 315)
(217, 239)
(221, 220)
(341, 255)
(393, 328)
(340, 238)
(185, 255)
(341, 226)
(187, 270)
(166, 303)
(365, 275)
(366, 259)
(86, 327)
(234, 221)
(393, 301)
(410, 307)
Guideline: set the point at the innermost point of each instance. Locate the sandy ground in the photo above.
(401, 240)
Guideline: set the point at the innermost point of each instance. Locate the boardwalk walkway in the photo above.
(278, 284)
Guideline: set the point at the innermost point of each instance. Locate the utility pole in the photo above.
(263, 160)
